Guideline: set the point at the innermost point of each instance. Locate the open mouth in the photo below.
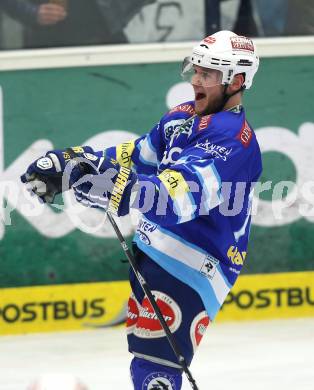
(199, 96)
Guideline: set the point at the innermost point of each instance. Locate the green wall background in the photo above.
(67, 106)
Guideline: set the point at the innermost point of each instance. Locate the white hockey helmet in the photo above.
(227, 52)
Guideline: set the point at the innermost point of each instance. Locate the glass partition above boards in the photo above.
(63, 23)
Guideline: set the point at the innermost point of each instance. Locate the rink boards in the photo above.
(88, 100)
(98, 305)
(40, 245)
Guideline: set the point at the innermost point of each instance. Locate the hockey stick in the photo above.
(146, 289)
(153, 303)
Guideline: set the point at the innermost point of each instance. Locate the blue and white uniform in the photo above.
(191, 241)
(206, 168)
(193, 178)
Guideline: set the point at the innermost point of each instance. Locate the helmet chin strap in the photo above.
(226, 97)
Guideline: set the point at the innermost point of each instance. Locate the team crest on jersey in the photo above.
(159, 381)
(171, 126)
(198, 328)
(148, 325)
(186, 128)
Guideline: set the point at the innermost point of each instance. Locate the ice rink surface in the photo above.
(273, 355)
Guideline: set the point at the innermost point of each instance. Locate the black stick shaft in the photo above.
(148, 292)
(153, 302)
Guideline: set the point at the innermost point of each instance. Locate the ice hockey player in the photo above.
(192, 177)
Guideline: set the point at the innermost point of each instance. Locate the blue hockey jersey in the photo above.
(202, 171)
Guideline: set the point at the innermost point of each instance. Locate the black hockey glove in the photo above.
(45, 175)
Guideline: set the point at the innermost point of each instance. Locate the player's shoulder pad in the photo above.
(184, 110)
(233, 126)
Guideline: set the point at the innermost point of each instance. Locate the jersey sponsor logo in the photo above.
(170, 156)
(143, 228)
(174, 183)
(235, 271)
(235, 256)
(217, 151)
(245, 135)
(204, 122)
(188, 108)
(147, 226)
(159, 381)
(171, 126)
(198, 328)
(44, 163)
(242, 44)
(132, 314)
(209, 266)
(143, 237)
(210, 40)
(124, 153)
(148, 325)
(120, 184)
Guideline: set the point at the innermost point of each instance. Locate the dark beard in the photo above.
(218, 105)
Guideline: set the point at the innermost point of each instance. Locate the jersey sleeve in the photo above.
(142, 154)
(193, 185)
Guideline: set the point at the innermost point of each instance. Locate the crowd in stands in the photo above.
(57, 23)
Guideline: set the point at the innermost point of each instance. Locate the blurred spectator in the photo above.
(212, 16)
(55, 23)
(32, 14)
(245, 23)
(300, 18)
(58, 23)
(243, 20)
(275, 18)
(270, 16)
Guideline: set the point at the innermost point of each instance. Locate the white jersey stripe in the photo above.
(176, 248)
(147, 153)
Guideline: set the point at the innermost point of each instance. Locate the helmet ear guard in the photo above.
(239, 74)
